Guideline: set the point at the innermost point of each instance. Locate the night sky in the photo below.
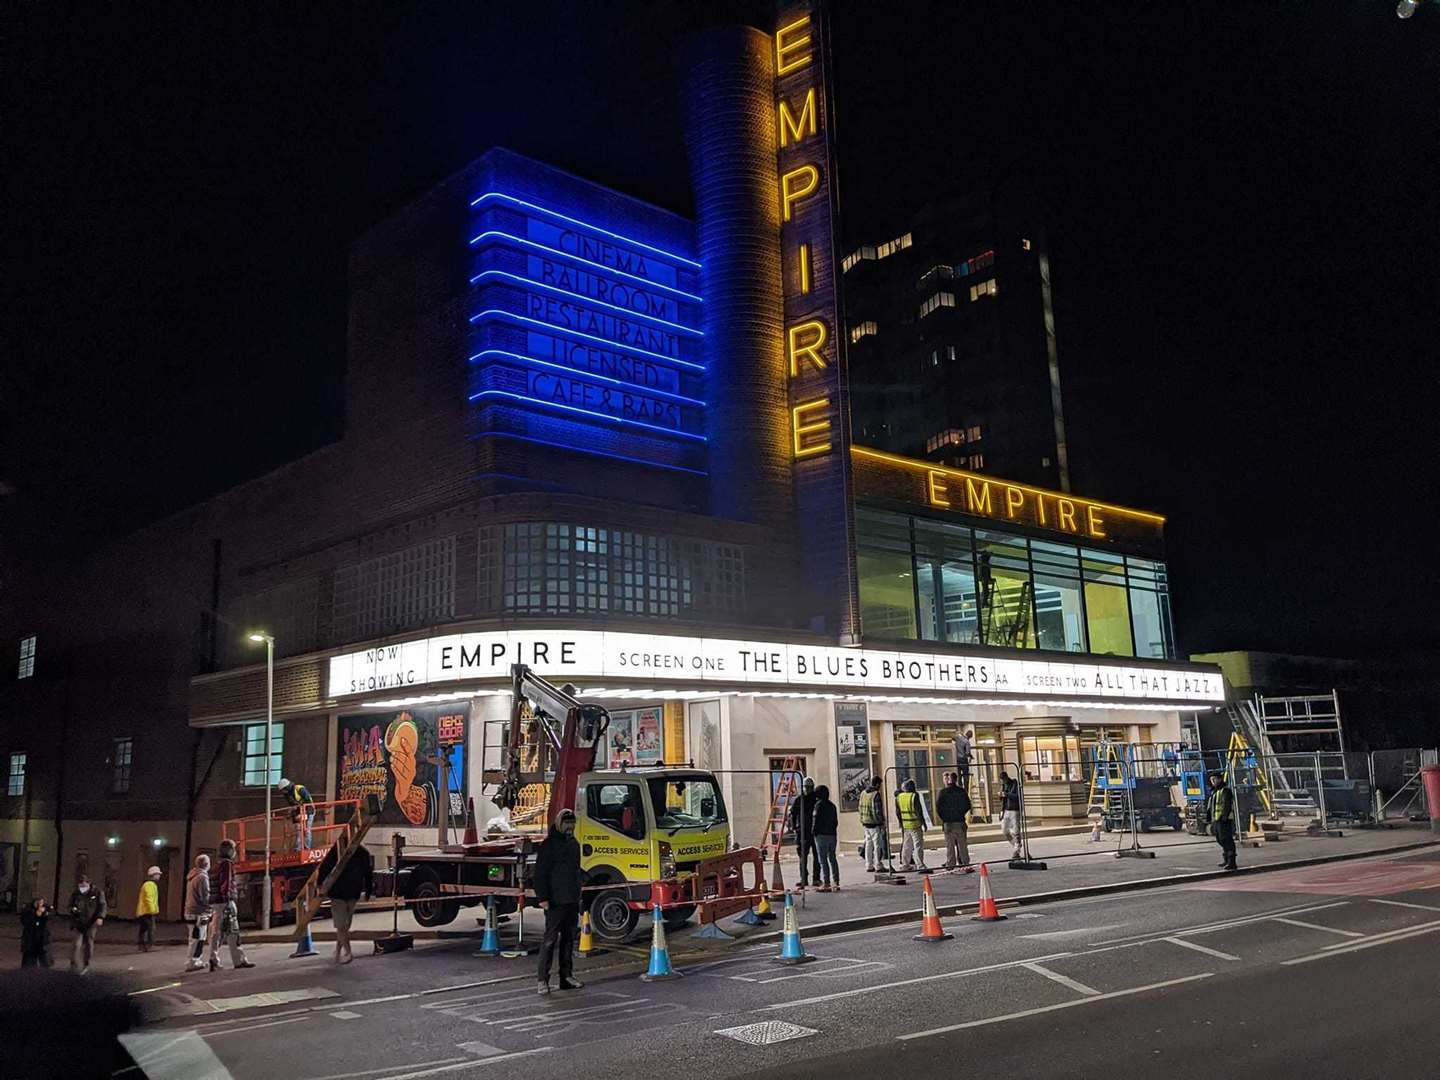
(1243, 220)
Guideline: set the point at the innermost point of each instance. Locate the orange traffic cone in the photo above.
(930, 928)
(472, 837)
(1257, 833)
(988, 911)
(777, 882)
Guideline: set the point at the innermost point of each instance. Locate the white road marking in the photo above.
(387, 1068)
(1063, 980)
(152, 989)
(1356, 946)
(1073, 933)
(1053, 1008)
(380, 1000)
(1200, 948)
(269, 997)
(252, 1027)
(163, 1056)
(1317, 926)
(912, 982)
(345, 1014)
(479, 1049)
(468, 1063)
(1402, 903)
(1226, 924)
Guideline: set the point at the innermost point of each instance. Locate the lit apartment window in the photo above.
(949, 437)
(977, 461)
(975, 265)
(27, 657)
(939, 300)
(973, 433)
(120, 759)
(935, 275)
(1024, 245)
(891, 246)
(254, 771)
(17, 774)
(864, 251)
(864, 329)
(985, 288)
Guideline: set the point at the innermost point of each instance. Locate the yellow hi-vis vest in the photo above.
(1222, 805)
(872, 812)
(911, 816)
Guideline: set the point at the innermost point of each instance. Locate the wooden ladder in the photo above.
(312, 894)
(787, 790)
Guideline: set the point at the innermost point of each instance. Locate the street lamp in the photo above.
(269, 764)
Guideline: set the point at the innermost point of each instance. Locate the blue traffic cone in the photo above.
(659, 952)
(490, 943)
(792, 951)
(306, 946)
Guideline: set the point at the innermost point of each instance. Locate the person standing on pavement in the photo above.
(964, 748)
(1010, 810)
(147, 908)
(557, 891)
(352, 883)
(952, 804)
(911, 814)
(827, 830)
(872, 818)
(802, 824)
(224, 915)
(87, 915)
(1220, 812)
(35, 934)
(197, 910)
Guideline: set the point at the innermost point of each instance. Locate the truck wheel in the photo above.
(429, 909)
(611, 916)
(675, 918)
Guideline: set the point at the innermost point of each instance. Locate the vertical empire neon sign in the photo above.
(814, 348)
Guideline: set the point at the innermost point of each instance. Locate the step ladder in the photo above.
(311, 897)
(787, 790)
(1107, 773)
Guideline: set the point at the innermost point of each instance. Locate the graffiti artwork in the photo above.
(392, 756)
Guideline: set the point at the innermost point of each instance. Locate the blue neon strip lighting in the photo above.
(614, 346)
(580, 373)
(586, 412)
(585, 450)
(527, 283)
(544, 249)
(502, 197)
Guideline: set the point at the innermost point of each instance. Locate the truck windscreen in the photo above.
(685, 802)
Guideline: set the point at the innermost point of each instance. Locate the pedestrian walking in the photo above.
(197, 910)
(1220, 812)
(952, 804)
(827, 830)
(911, 814)
(298, 796)
(802, 824)
(964, 749)
(87, 915)
(349, 886)
(147, 908)
(557, 890)
(224, 915)
(1010, 810)
(35, 934)
(872, 818)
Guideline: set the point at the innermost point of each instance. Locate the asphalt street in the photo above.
(1326, 971)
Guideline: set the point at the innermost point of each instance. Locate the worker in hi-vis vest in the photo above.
(911, 812)
(1220, 812)
(872, 817)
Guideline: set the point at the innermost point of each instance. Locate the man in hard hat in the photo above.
(557, 890)
(1220, 812)
(299, 797)
(147, 908)
(911, 813)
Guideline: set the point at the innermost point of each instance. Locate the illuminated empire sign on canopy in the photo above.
(732, 663)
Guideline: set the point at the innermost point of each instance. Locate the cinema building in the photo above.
(589, 435)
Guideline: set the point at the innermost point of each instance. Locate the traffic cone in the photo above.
(490, 943)
(930, 928)
(792, 950)
(988, 911)
(777, 881)
(472, 836)
(587, 938)
(659, 952)
(306, 945)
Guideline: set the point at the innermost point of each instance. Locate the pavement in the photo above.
(1318, 971)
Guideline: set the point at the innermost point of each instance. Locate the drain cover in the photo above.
(767, 1032)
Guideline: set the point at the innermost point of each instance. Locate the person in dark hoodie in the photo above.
(802, 824)
(87, 915)
(35, 934)
(827, 829)
(557, 891)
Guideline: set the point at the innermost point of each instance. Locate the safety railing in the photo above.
(297, 833)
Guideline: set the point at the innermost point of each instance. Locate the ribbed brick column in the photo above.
(730, 135)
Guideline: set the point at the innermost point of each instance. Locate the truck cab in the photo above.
(641, 825)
